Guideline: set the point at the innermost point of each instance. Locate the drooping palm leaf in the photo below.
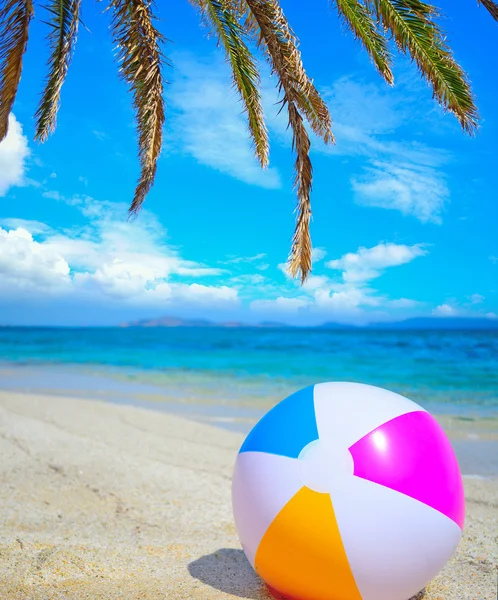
(15, 16)
(62, 37)
(221, 15)
(416, 32)
(491, 6)
(300, 259)
(364, 28)
(280, 44)
(299, 96)
(139, 52)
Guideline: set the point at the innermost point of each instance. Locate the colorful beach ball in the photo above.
(345, 491)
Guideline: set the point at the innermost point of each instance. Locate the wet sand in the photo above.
(106, 501)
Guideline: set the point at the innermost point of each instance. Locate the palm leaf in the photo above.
(491, 6)
(301, 98)
(61, 38)
(139, 52)
(15, 16)
(222, 16)
(300, 259)
(417, 33)
(276, 37)
(364, 28)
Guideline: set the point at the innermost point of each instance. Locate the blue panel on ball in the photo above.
(287, 428)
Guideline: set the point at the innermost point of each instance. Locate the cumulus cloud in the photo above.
(445, 310)
(107, 259)
(13, 153)
(350, 298)
(30, 266)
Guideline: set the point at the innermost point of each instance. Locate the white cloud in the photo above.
(109, 258)
(280, 305)
(368, 263)
(209, 123)
(318, 254)
(410, 188)
(398, 173)
(477, 299)
(349, 298)
(13, 153)
(30, 266)
(445, 310)
(235, 260)
(404, 303)
(248, 278)
(314, 282)
(33, 227)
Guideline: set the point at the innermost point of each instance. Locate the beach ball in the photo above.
(345, 491)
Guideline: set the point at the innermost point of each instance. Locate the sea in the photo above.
(230, 377)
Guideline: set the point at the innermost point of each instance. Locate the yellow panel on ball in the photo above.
(302, 555)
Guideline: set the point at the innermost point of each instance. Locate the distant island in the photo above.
(420, 323)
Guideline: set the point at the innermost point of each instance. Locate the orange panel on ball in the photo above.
(302, 556)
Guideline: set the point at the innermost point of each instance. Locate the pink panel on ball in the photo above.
(412, 455)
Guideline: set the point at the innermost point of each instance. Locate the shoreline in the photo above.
(110, 501)
(474, 435)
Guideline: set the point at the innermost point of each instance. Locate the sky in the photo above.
(404, 205)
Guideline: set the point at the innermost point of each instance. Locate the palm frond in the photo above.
(416, 33)
(281, 47)
(364, 28)
(491, 6)
(301, 98)
(300, 258)
(222, 16)
(139, 52)
(61, 38)
(15, 16)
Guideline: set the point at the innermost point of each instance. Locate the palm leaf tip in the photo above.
(491, 7)
(416, 33)
(223, 18)
(61, 37)
(300, 259)
(301, 99)
(15, 16)
(138, 44)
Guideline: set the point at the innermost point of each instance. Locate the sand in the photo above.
(99, 501)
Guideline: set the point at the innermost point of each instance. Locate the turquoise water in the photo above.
(241, 372)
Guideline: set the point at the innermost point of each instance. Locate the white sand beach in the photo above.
(99, 501)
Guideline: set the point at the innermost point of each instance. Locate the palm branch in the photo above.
(416, 33)
(301, 98)
(139, 52)
(491, 6)
(15, 16)
(222, 16)
(365, 29)
(61, 38)
(412, 23)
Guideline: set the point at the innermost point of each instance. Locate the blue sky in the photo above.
(404, 205)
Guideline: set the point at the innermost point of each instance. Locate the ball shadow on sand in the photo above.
(229, 571)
